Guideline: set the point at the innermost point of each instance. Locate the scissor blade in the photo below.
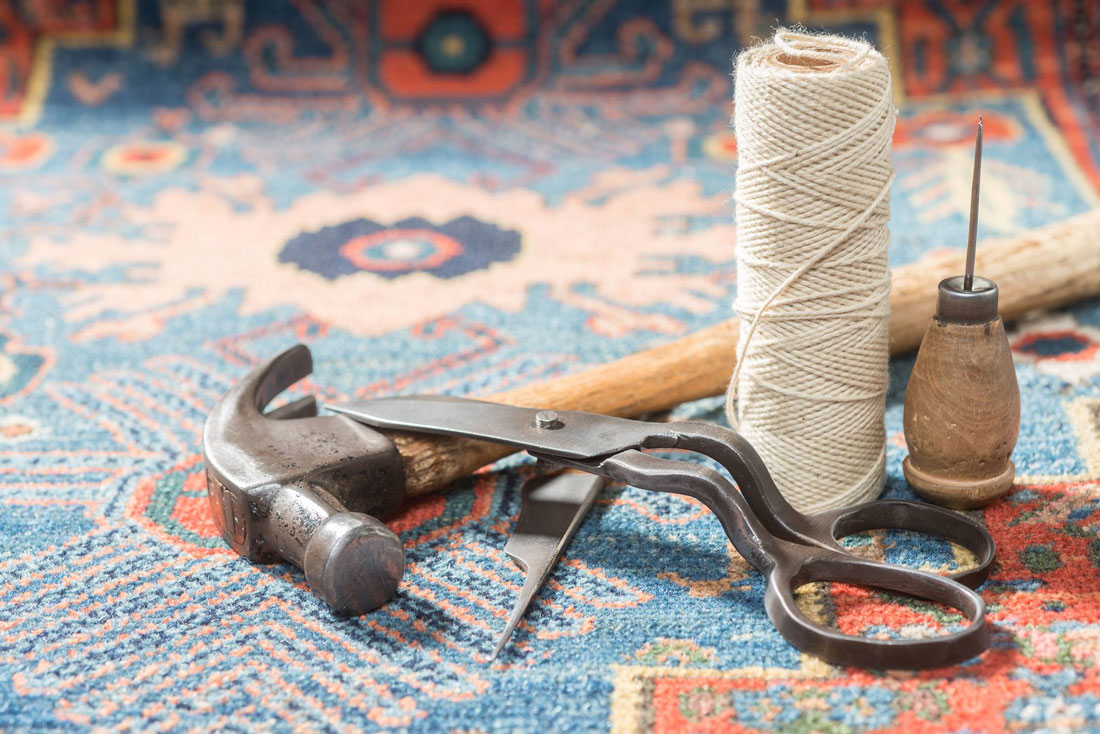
(551, 509)
(575, 435)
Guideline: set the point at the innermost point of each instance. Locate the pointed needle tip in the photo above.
(971, 240)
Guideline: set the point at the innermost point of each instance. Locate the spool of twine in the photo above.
(813, 117)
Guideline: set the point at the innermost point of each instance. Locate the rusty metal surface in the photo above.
(306, 489)
(788, 547)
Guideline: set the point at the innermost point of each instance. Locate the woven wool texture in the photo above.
(464, 197)
(814, 117)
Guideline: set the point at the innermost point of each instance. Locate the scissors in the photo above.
(788, 547)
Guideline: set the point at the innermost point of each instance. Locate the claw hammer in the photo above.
(294, 486)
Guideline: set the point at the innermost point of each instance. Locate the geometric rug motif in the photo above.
(462, 197)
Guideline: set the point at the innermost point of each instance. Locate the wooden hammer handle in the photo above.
(1045, 268)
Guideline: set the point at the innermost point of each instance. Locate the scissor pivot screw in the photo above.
(547, 419)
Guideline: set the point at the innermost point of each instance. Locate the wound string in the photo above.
(814, 117)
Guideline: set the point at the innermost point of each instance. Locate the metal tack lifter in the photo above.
(789, 548)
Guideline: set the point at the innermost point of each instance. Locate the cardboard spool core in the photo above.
(799, 63)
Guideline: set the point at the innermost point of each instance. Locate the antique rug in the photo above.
(463, 196)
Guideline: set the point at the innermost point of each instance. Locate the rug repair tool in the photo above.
(788, 547)
(551, 509)
(289, 486)
(962, 406)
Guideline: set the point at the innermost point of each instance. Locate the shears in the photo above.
(788, 547)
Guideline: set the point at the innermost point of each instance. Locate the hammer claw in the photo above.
(270, 379)
(301, 408)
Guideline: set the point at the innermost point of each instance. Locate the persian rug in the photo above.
(463, 196)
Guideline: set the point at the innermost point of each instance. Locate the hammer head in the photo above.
(295, 486)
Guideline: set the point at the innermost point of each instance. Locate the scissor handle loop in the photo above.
(738, 457)
(918, 517)
(798, 565)
(788, 565)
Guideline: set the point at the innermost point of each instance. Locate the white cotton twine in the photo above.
(813, 118)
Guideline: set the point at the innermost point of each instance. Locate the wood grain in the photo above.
(1045, 268)
(962, 415)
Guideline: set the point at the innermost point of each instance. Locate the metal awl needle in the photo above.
(972, 238)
